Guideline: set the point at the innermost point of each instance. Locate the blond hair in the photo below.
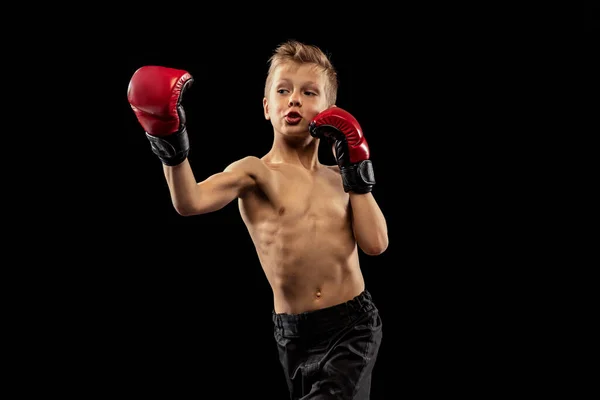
(301, 53)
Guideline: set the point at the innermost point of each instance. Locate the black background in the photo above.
(198, 278)
(136, 300)
(187, 294)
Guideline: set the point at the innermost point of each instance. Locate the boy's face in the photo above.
(296, 96)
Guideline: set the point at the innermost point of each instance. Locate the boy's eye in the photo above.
(281, 91)
(310, 93)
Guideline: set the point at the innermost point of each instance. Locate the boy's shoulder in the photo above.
(333, 168)
(244, 163)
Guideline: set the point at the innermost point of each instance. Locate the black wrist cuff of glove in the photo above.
(172, 149)
(359, 177)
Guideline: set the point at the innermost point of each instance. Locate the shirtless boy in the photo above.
(307, 220)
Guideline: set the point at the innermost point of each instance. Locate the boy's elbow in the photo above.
(185, 210)
(375, 249)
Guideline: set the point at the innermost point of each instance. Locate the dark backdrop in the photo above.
(138, 300)
(187, 294)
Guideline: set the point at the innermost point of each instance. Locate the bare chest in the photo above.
(309, 195)
(293, 196)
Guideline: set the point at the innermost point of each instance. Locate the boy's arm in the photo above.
(353, 158)
(155, 95)
(190, 197)
(368, 223)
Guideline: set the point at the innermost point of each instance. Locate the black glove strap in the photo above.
(172, 149)
(359, 177)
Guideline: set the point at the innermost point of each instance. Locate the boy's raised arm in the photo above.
(155, 95)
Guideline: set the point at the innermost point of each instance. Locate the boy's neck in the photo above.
(299, 151)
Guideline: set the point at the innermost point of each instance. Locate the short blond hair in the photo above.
(301, 53)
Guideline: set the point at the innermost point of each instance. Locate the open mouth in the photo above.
(293, 118)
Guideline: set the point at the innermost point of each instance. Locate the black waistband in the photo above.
(326, 318)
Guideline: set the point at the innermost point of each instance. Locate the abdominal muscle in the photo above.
(310, 261)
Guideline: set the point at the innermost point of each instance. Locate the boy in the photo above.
(306, 220)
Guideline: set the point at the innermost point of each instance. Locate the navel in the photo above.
(281, 210)
(318, 293)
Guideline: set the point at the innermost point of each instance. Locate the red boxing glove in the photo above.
(351, 148)
(154, 94)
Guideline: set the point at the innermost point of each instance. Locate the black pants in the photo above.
(330, 353)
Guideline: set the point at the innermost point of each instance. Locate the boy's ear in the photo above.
(266, 108)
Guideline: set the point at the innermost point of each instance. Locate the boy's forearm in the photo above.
(369, 224)
(182, 186)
